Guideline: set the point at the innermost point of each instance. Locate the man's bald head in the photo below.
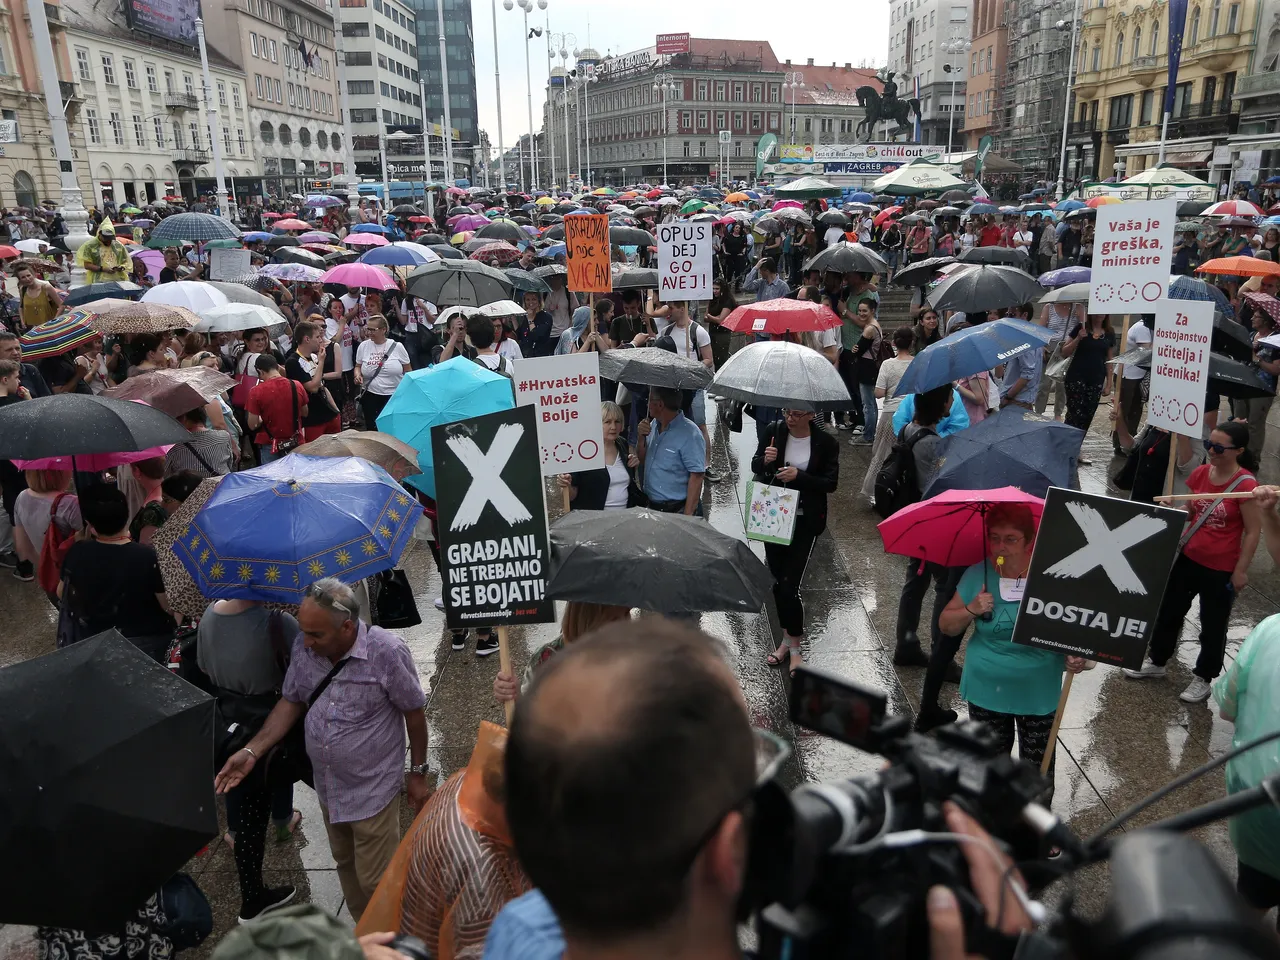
(628, 752)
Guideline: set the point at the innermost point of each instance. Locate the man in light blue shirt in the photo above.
(1022, 374)
(764, 282)
(525, 929)
(673, 453)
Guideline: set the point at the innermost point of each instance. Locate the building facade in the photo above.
(28, 166)
(460, 57)
(919, 33)
(1030, 92)
(1121, 83)
(144, 115)
(985, 64)
(1253, 152)
(286, 50)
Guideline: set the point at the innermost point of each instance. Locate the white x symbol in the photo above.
(1105, 547)
(487, 485)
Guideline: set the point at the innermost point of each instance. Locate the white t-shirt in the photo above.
(370, 354)
(799, 451)
(248, 363)
(1022, 239)
(616, 498)
(829, 338)
(890, 375)
(511, 350)
(490, 360)
(864, 230)
(687, 345)
(1139, 336)
(833, 235)
(340, 332)
(968, 241)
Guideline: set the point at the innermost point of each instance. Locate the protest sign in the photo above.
(492, 520)
(1097, 576)
(229, 263)
(684, 261)
(1180, 366)
(565, 391)
(1132, 256)
(586, 240)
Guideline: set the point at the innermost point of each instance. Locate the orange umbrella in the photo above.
(7, 251)
(292, 223)
(1094, 202)
(736, 198)
(1240, 267)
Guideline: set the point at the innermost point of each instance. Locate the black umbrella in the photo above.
(447, 251)
(1004, 255)
(834, 218)
(921, 273)
(549, 218)
(405, 210)
(460, 212)
(983, 288)
(1011, 448)
(1229, 378)
(636, 278)
(956, 196)
(1231, 339)
(547, 271)
(1193, 208)
(466, 283)
(106, 783)
(654, 367)
(111, 290)
(631, 237)
(664, 562)
(846, 257)
(298, 255)
(1084, 213)
(502, 230)
(563, 208)
(282, 240)
(70, 424)
(554, 233)
(526, 282)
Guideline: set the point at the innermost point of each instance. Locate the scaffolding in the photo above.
(1030, 91)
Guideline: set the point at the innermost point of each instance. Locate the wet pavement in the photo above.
(1119, 741)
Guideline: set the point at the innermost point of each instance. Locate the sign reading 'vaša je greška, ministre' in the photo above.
(1132, 256)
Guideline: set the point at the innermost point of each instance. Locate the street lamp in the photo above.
(581, 79)
(448, 120)
(497, 82)
(529, 33)
(562, 44)
(665, 85)
(794, 80)
(953, 47)
(1066, 96)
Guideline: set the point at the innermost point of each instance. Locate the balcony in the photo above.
(180, 101)
(1118, 135)
(68, 90)
(1217, 53)
(191, 155)
(1204, 120)
(1146, 69)
(1257, 85)
(1083, 128)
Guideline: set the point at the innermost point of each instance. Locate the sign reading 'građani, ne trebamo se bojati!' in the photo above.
(1132, 256)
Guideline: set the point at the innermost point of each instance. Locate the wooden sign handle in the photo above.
(1057, 722)
(504, 664)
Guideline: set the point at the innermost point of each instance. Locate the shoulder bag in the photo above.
(294, 440)
(288, 762)
(1200, 520)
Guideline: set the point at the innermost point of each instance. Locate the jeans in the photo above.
(845, 367)
(870, 415)
(264, 453)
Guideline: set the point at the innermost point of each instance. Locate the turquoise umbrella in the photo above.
(445, 393)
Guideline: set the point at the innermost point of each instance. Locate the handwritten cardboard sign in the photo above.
(684, 261)
(566, 393)
(586, 239)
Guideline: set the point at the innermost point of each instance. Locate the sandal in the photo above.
(285, 834)
(775, 659)
(797, 661)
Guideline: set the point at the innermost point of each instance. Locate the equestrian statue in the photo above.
(885, 106)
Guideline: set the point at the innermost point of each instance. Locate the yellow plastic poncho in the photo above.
(103, 257)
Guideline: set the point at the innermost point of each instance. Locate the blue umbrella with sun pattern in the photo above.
(270, 532)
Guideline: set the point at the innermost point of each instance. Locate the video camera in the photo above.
(842, 869)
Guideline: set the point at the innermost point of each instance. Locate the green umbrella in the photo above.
(156, 244)
(224, 244)
(130, 210)
(807, 188)
(693, 206)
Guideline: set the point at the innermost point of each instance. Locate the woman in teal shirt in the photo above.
(1008, 686)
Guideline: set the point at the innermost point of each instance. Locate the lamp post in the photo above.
(954, 46)
(563, 43)
(226, 207)
(497, 82)
(529, 34)
(444, 84)
(585, 75)
(664, 85)
(551, 108)
(794, 80)
(349, 177)
(1066, 97)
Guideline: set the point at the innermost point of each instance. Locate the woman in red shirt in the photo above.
(1214, 561)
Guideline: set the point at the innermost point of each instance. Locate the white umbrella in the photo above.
(918, 176)
(192, 294)
(429, 255)
(235, 316)
(781, 374)
(501, 308)
(32, 246)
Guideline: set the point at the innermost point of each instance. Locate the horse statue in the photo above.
(885, 106)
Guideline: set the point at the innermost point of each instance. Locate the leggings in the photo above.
(1033, 736)
(252, 810)
(787, 563)
(1082, 403)
(1188, 580)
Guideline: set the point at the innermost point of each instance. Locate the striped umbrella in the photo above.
(57, 336)
(192, 227)
(1190, 288)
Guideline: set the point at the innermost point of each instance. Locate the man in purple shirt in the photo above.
(355, 731)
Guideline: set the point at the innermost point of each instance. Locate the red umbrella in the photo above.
(885, 214)
(419, 219)
(653, 194)
(781, 316)
(7, 251)
(950, 529)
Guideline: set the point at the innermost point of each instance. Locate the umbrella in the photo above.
(174, 391)
(293, 223)
(323, 200)
(444, 393)
(1263, 301)
(922, 272)
(430, 239)
(955, 196)
(193, 228)
(781, 316)
(125, 316)
(1064, 276)
(365, 240)
(984, 288)
(554, 233)
(194, 295)
(654, 367)
(1103, 201)
(1231, 339)
(1240, 267)
(446, 252)
(1229, 378)
(297, 255)
(834, 218)
(525, 282)
(400, 255)
(631, 237)
(35, 263)
(950, 528)
(69, 424)
(845, 257)
(807, 188)
(217, 244)
(468, 223)
(180, 590)
(689, 566)
(8, 251)
(317, 236)
(258, 282)
(502, 229)
(501, 308)
(233, 317)
(57, 336)
(916, 177)
(467, 283)
(1187, 208)
(550, 270)
(32, 245)
(238, 293)
(110, 290)
(1071, 293)
(693, 206)
(1193, 288)
(1165, 175)
(105, 783)
(292, 272)
(344, 518)
(1232, 208)
(1013, 447)
(360, 275)
(981, 209)
(791, 214)
(496, 253)
(93, 462)
(969, 351)
(154, 259)
(392, 455)
(256, 236)
(1005, 255)
(404, 210)
(286, 240)
(780, 374)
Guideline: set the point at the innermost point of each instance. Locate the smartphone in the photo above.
(833, 706)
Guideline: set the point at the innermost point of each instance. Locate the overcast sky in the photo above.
(836, 34)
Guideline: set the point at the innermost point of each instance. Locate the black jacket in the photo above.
(821, 478)
(593, 485)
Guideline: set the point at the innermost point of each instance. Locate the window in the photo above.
(360, 86)
(306, 95)
(195, 135)
(703, 120)
(379, 33)
(1233, 18)
(1193, 35)
(158, 127)
(290, 88)
(384, 89)
(108, 69)
(24, 189)
(702, 148)
(989, 59)
(279, 99)
(1209, 93)
(1121, 112)
(271, 48)
(304, 137)
(188, 84)
(1154, 49)
(95, 131)
(1215, 13)
(686, 149)
(757, 121)
(1096, 63)
(153, 85)
(1182, 100)
(240, 139)
(738, 92)
(1145, 108)
(222, 92)
(82, 63)
(257, 85)
(266, 132)
(286, 135)
(1137, 43)
(253, 44)
(117, 129)
(226, 140)
(824, 124)
(1228, 91)
(1119, 57)
(139, 131)
(130, 75)
(235, 96)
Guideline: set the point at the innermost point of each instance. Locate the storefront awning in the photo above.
(1190, 158)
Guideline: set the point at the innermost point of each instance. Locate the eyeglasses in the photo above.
(795, 414)
(1011, 541)
(1217, 447)
(317, 594)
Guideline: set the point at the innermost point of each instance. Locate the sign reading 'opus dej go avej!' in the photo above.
(1132, 256)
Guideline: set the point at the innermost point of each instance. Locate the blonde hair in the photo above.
(581, 618)
(48, 481)
(378, 320)
(611, 411)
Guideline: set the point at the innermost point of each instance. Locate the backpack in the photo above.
(53, 550)
(897, 485)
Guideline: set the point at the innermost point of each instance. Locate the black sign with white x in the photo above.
(1097, 576)
(492, 520)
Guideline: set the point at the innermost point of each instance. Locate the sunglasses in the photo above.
(1218, 447)
(319, 596)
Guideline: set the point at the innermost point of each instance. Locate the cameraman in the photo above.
(630, 769)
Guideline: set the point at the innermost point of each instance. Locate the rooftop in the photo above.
(105, 19)
(830, 84)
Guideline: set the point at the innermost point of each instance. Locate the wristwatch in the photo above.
(420, 769)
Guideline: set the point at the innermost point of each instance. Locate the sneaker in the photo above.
(860, 441)
(486, 644)
(9, 559)
(272, 899)
(439, 603)
(713, 476)
(1149, 671)
(845, 425)
(1197, 691)
(25, 571)
(458, 640)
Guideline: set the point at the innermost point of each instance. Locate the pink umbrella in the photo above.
(783, 204)
(949, 529)
(359, 275)
(154, 259)
(316, 236)
(90, 462)
(463, 224)
(456, 192)
(365, 240)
